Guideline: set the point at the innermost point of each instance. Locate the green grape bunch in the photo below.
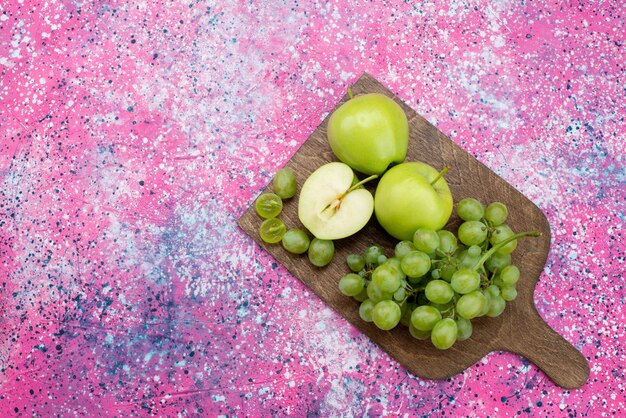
(439, 282)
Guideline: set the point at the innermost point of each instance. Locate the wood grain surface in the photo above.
(519, 329)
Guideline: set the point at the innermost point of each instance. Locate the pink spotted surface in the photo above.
(134, 134)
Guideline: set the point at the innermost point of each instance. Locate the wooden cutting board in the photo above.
(519, 329)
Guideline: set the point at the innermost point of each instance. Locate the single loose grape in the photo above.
(444, 334)
(501, 233)
(355, 262)
(365, 310)
(510, 275)
(272, 230)
(472, 233)
(426, 240)
(321, 252)
(470, 305)
(465, 281)
(425, 317)
(415, 264)
(386, 278)
(268, 205)
(508, 292)
(386, 314)
(470, 209)
(439, 291)
(464, 327)
(403, 248)
(351, 284)
(496, 213)
(296, 241)
(447, 241)
(285, 184)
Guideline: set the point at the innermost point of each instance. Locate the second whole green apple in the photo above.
(368, 133)
(412, 195)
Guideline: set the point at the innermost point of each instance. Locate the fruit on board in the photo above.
(410, 196)
(369, 132)
(331, 206)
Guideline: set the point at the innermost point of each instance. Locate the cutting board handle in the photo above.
(543, 346)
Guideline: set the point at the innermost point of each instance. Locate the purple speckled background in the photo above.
(132, 137)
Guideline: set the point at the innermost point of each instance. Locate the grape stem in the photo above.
(440, 175)
(501, 244)
(350, 92)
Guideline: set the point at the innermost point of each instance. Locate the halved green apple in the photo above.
(331, 205)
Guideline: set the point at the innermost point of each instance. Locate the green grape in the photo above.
(444, 334)
(381, 259)
(466, 260)
(372, 253)
(376, 294)
(268, 205)
(508, 292)
(499, 234)
(365, 310)
(486, 305)
(399, 294)
(362, 295)
(404, 247)
(496, 306)
(497, 262)
(496, 213)
(396, 265)
(415, 264)
(436, 274)
(493, 291)
(272, 230)
(285, 184)
(386, 314)
(425, 317)
(447, 241)
(470, 305)
(418, 334)
(470, 209)
(321, 252)
(510, 275)
(447, 270)
(351, 284)
(472, 233)
(355, 262)
(386, 278)
(465, 281)
(474, 251)
(296, 241)
(439, 291)
(426, 240)
(464, 327)
(407, 310)
(443, 307)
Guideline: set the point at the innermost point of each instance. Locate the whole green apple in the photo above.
(369, 132)
(412, 195)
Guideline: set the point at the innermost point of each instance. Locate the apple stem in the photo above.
(350, 92)
(362, 182)
(440, 175)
